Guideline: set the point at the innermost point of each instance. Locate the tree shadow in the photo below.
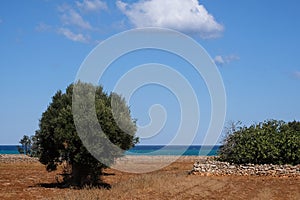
(108, 174)
(53, 185)
(100, 185)
(68, 184)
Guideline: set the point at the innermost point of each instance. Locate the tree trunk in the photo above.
(79, 175)
(83, 175)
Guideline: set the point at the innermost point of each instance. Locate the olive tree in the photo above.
(58, 141)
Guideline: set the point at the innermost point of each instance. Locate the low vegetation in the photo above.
(269, 142)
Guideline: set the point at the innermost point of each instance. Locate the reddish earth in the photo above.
(30, 180)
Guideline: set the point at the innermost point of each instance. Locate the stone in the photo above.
(217, 168)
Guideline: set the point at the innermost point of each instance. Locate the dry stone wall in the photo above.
(212, 167)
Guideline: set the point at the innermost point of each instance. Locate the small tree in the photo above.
(34, 150)
(25, 145)
(272, 141)
(57, 140)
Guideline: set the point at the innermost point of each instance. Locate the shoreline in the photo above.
(15, 158)
(26, 157)
(134, 159)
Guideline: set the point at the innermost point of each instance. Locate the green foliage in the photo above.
(269, 142)
(34, 147)
(57, 140)
(25, 147)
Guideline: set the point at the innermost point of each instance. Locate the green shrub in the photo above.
(269, 142)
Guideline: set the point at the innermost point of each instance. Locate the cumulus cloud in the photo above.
(221, 60)
(91, 5)
(73, 36)
(71, 17)
(183, 15)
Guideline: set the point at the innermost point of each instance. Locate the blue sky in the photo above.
(255, 45)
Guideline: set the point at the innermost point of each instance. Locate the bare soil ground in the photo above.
(30, 180)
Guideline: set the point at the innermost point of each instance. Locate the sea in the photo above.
(174, 150)
(153, 150)
(9, 149)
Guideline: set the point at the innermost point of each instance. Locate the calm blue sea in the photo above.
(148, 150)
(9, 149)
(174, 150)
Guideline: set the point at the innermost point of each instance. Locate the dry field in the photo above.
(22, 180)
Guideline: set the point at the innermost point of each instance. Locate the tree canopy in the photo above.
(58, 142)
(269, 142)
(25, 147)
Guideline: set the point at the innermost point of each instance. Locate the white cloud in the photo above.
(91, 5)
(221, 60)
(71, 17)
(73, 36)
(182, 15)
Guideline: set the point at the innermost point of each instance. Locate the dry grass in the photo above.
(181, 186)
(31, 181)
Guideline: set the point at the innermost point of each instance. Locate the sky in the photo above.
(254, 44)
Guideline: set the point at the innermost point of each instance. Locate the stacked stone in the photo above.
(11, 158)
(213, 167)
